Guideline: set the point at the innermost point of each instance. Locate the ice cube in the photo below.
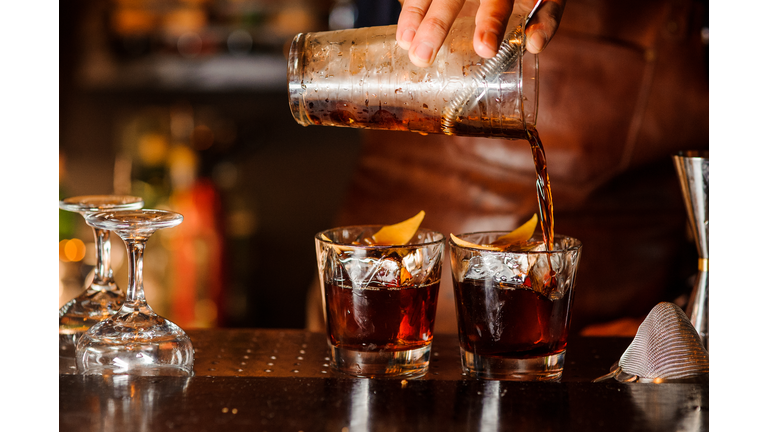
(543, 271)
(400, 267)
(504, 268)
(414, 262)
(367, 272)
(512, 270)
(359, 270)
(417, 267)
(388, 271)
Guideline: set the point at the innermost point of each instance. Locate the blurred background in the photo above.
(183, 102)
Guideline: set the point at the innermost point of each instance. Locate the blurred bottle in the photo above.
(66, 219)
(160, 160)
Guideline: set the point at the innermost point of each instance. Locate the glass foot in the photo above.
(381, 364)
(544, 368)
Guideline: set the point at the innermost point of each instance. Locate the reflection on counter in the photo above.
(660, 406)
(131, 400)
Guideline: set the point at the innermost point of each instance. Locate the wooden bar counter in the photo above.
(281, 380)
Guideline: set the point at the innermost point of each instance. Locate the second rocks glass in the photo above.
(514, 306)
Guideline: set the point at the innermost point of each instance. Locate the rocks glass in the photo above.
(102, 297)
(379, 302)
(135, 340)
(514, 306)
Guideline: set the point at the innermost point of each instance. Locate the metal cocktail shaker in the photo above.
(693, 173)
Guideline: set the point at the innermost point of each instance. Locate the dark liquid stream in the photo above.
(543, 189)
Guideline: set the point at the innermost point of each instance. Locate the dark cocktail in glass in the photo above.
(514, 306)
(379, 300)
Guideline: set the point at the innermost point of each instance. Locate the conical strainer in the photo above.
(666, 347)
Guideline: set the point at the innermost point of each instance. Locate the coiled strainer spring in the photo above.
(489, 71)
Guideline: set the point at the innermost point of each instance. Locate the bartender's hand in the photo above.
(424, 24)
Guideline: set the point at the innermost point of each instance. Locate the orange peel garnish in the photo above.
(466, 244)
(518, 236)
(399, 233)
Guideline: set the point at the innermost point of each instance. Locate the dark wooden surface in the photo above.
(281, 380)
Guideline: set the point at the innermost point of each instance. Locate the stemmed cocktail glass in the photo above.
(135, 340)
(102, 297)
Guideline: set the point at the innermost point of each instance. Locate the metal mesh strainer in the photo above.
(666, 347)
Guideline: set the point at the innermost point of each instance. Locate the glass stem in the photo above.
(134, 296)
(103, 274)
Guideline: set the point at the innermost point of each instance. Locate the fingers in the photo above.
(543, 25)
(411, 14)
(490, 23)
(423, 26)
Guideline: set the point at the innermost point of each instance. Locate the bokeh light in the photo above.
(153, 148)
(71, 250)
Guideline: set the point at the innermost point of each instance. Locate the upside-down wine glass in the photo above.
(135, 340)
(102, 297)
